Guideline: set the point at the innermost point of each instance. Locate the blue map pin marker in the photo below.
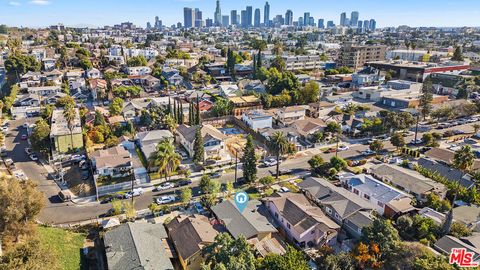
(241, 200)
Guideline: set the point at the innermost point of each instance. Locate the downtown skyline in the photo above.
(92, 13)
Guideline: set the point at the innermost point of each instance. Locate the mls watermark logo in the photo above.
(462, 257)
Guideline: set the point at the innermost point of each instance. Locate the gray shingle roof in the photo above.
(446, 243)
(255, 218)
(448, 172)
(137, 246)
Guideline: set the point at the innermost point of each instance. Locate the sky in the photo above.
(40, 13)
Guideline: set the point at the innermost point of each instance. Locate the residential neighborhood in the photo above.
(239, 139)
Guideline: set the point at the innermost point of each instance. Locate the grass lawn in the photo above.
(141, 157)
(65, 245)
(290, 186)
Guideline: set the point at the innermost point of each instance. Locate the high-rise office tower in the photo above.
(321, 24)
(278, 20)
(306, 18)
(198, 14)
(360, 25)
(372, 25)
(238, 19)
(218, 14)
(256, 21)
(233, 17)
(354, 18)
(225, 20)
(188, 17)
(300, 21)
(330, 24)
(158, 23)
(347, 22)
(208, 22)
(366, 24)
(149, 26)
(249, 16)
(243, 15)
(266, 14)
(343, 18)
(311, 21)
(289, 17)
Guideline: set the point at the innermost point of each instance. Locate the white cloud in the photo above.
(40, 2)
(14, 3)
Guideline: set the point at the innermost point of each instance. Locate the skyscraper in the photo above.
(300, 21)
(372, 25)
(330, 24)
(306, 18)
(158, 23)
(218, 14)
(366, 24)
(225, 20)
(198, 14)
(354, 18)
(249, 16)
(244, 18)
(233, 17)
(266, 14)
(321, 24)
(343, 18)
(149, 26)
(188, 17)
(256, 21)
(289, 17)
(208, 22)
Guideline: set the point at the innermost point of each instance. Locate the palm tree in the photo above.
(464, 158)
(278, 144)
(165, 158)
(70, 114)
(170, 123)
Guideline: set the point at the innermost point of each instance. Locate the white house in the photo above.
(213, 140)
(113, 162)
(257, 120)
(93, 73)
(44, 90)
(287, 115)
(139, 71)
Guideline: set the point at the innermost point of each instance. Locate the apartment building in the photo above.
(355, 56)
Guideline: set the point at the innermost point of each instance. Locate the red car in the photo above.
(331, 150)
(24, 137)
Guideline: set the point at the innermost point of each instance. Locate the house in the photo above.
(137, 245)
(113, 162)
(28, 100)
(307, 126)
(63, 138)
(44, 90)
(98, 88)
(53, 98)
(213, 140)
(287, 115)
(319, 109)
(437, 217)
(133, 108)
(350, 212)
(245, 104)
(172, 76)
(252, 85)
(469, 215)
(387, 200)
(148, 140)
(49, 64)
(228, 90)
(93, 73)
(409, 181)
(301, 222)
(189, 235)
(445, 245)
(451, 174)
(447, 156)
(139, 70)
(257, 120)
(201, 95)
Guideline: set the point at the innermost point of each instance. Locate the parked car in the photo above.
(165, 199)
(65, 195)
(458, 132)
(25, 125)
(84, 165)
(184, 182)
(216, 174)
(343, 148)
(111, 198)
(77, 158)
(34, 157)
(199, 208)
(470, 141)
(270, 161)
(367, 152)
(135, 193)
(284, 189)
(24, 137)
(417, 141)
(164, 186)
(331, 150)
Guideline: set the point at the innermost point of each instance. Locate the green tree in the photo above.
(222, 107)
(65, 101)
(29, 254)
(316, 164)
(376, 146)
(165, 159)
(429, 140)
(382, 233)
(397, 140)
(464, 158)
(338, 163)
(460, 230)
(137, 61)
(333, 127)
(278, 145)
(310, 93)
(209, 186)
(198, 149)
(457, 54)
(267, 180)
(228, 253)
(292, 259)
(116, 106)
(186, 195)
(426, 98)
(40, 138)
(249, 161)
(99, 119)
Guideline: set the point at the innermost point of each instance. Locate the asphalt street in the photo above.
(57, 212)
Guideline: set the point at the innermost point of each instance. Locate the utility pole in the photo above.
(336, 149)
(416, 128)
(236, 165)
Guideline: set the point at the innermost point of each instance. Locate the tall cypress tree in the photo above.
(254, 66)
(198, 150)
(197, 115)
(249, 161)
(180, 117)
(190, 113)
(169, 109)
(174, 110)
(259, 60)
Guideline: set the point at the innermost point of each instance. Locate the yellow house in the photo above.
(61, 136)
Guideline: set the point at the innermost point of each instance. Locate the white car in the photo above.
(417, 141)
(25, 125)
(135, 193)
(343, 148)
(165, 199)
(270, 162)
(33, 157)
(164, 186)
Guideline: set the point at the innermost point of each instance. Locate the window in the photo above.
(288, 225)
(312, 231)
(337, 216)
(328, 210)
(366, 196)
(276, 215)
